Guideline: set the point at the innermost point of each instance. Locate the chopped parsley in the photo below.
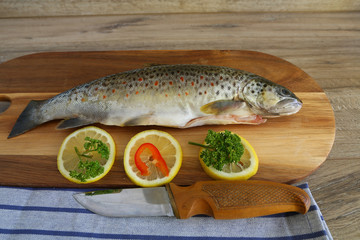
(86, 168)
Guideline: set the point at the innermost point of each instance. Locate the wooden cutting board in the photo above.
(289, 148)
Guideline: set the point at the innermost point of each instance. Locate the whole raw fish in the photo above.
(179, 96)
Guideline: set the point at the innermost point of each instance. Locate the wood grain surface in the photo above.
(289, 148)
(326, 45)
(37, 8)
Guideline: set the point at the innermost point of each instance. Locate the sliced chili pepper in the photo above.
(158, 160)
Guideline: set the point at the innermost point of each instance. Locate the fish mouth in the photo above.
(287, 107)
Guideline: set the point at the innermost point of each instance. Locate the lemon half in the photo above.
(169, 149)
(68, 160)
(243, 170)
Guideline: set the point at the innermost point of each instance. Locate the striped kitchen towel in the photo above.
(37, 213)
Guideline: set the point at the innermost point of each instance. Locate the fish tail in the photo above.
(28, 119)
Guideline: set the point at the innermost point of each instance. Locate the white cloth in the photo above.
(36, 213)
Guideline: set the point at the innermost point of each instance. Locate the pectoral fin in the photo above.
(223, 106)
(74, 122)
(139, 120)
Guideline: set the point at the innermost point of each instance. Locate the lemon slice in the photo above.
(68, 159)
(145, 166)
(243, 170)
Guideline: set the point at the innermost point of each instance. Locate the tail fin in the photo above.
(27, 120)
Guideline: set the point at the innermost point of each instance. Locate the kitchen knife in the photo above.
(220, 199)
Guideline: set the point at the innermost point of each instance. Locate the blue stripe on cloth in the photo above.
(52, 189)
(303, 186)
(44, 209)
(288, 214)
(127, 236)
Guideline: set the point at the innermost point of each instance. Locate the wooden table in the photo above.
(323, 40)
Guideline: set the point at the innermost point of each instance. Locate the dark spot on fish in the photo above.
(234, 84)
(252, 91)
(265, 85)
(229, 88)
(226, 95)
(222, 86)
(130, 85)
(217, 92)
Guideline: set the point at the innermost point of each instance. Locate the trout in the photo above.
(179, 96)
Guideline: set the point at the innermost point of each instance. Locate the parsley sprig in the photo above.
(89, 169)
(221, 148)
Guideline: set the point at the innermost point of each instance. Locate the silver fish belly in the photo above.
(166, 95)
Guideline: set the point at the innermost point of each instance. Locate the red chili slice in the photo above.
(158, 160)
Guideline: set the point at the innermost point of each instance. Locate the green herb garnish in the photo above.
(89, 169)
(220, 149)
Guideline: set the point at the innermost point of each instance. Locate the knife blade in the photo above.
(219, 199)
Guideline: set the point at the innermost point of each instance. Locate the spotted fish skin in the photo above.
(166, 95)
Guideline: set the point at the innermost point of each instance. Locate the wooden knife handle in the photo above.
(237, 199)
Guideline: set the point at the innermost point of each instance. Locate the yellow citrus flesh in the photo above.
(234, 171)
(169, 149)
(68, 160)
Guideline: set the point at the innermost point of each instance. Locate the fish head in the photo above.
(270, 99)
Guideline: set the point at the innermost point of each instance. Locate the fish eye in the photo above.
(285, 92)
